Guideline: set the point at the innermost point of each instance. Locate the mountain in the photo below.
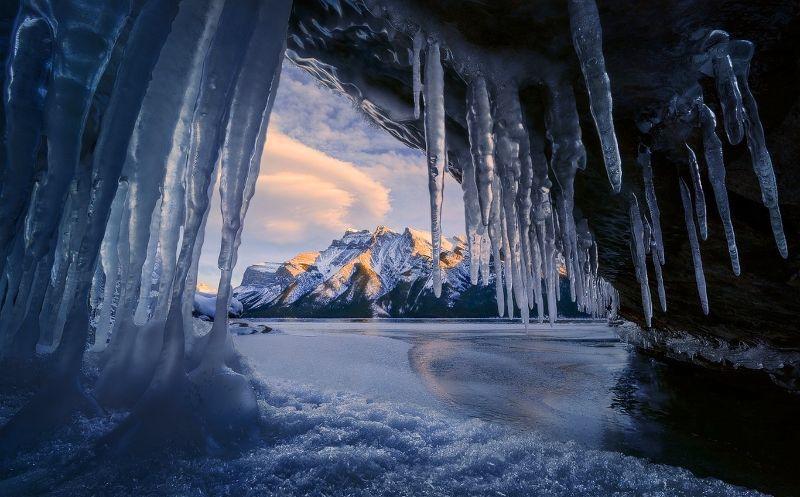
(380, 273)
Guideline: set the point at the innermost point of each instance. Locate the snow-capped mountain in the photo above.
(368, 274)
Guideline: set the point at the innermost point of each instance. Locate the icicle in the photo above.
(508, 268)
(694, 244)
(730, 97)
(240, 158)
(416, 76)
(496, 237)
(472, 214)
(481, 142)
(741, 53)
(69, 96)
(699, 196)
(716, 174)
(436, 152)
(640, 259)
(587, 39)
(662, 294)
(142, 313)
(486, 251)
(109, 257)
(536, 267)
(650, 197)
(548, 237)
(510, 131)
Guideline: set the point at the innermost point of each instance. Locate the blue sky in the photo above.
(325, 169)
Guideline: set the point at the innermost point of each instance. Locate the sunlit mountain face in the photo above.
(379, 273)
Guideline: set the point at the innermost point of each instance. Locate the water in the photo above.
(574, 382)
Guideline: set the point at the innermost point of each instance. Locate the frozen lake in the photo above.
(575, 382)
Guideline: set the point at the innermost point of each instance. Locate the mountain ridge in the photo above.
(371, 273)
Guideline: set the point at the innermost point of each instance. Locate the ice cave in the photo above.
(648, 148)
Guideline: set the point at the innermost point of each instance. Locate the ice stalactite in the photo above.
(436, 151)
(730, 97)
(472, 215)
(645, 162)
(416, 71)
(587, 38)
(481, 142)
(227, 88)
(694, 244)
(662, 294)
(640, 259)
(567, 157)
(231, 403)
(510, 131)
(699, 195)
(547, 235)
(716, 174)
(741, 52)
(486, 252)
(496, 238)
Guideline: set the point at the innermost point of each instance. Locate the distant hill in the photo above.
(372, 274)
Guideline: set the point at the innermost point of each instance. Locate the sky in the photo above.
(325, 169)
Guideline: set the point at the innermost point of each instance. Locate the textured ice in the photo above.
(328, 442)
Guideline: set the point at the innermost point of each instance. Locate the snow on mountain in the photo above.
(362, 266)
(368, 273)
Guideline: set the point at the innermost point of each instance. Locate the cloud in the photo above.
(304, 198)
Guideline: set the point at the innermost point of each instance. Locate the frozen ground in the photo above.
(421, 408)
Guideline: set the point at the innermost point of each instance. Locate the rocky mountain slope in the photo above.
(370, 274)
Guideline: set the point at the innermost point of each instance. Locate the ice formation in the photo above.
(694, 245)
(119, 115)
(436, 150)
